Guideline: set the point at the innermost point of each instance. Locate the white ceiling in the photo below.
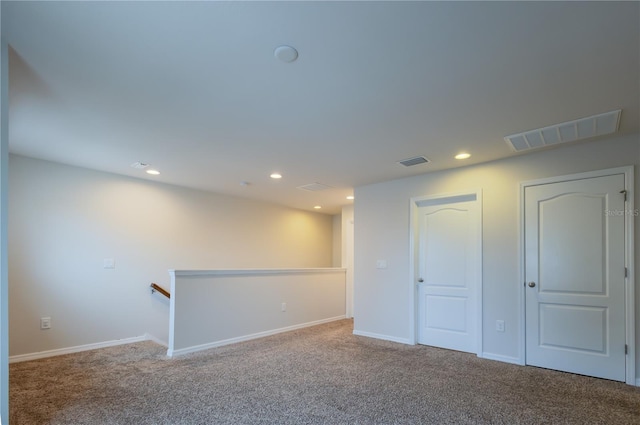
(193, 88)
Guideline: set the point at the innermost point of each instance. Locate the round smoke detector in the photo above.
(286, 53)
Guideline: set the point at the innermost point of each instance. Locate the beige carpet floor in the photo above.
(319, 375)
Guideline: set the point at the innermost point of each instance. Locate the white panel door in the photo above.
(449, 269)
(575, 276)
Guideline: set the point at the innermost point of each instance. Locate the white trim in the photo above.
(479, 289)
(195, 348)
(172, 308)
(455, 198)
(251, 272)
(384, 337)
(522, 342)
(78, 349)
(4, 269)
(628, 173)
(501, 358)
(349, 254)
(579, 176)
(414, 231)
(414, 204)
(149, 337)
(631, 280)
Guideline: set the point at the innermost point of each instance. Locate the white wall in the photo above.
(382, 305)
(249, 304)
(336, 260)
(4, 184)
(63, 221)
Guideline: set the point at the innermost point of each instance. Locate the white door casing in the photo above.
(449, 265)
(575, 285)
(349, 267)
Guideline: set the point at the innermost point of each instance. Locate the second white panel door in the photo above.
(575, 273)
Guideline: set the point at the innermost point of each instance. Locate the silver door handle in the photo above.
(420, 280)
(531, 284)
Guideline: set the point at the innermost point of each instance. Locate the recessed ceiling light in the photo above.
(463, 155)
(350, 197)
(276, 176)
(317, 207)
(153, 172)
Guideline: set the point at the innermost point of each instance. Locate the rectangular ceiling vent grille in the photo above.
(314, 187)
(410, 162)
(584, 128)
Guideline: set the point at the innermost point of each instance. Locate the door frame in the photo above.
(349, 242)
(629, 234)
(414, 250)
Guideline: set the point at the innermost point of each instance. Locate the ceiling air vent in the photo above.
(584, 128)
(314, 187)
(414, 161)
(139, 165)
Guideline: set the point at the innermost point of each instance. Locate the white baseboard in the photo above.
(79, 348)
(383, 337)
(501, 358)
(149, 337)
(518, 361)
(214, 344)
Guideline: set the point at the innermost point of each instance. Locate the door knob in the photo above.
(420, 280)
(531, 284)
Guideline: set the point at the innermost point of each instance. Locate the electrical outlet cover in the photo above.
(45, 323)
